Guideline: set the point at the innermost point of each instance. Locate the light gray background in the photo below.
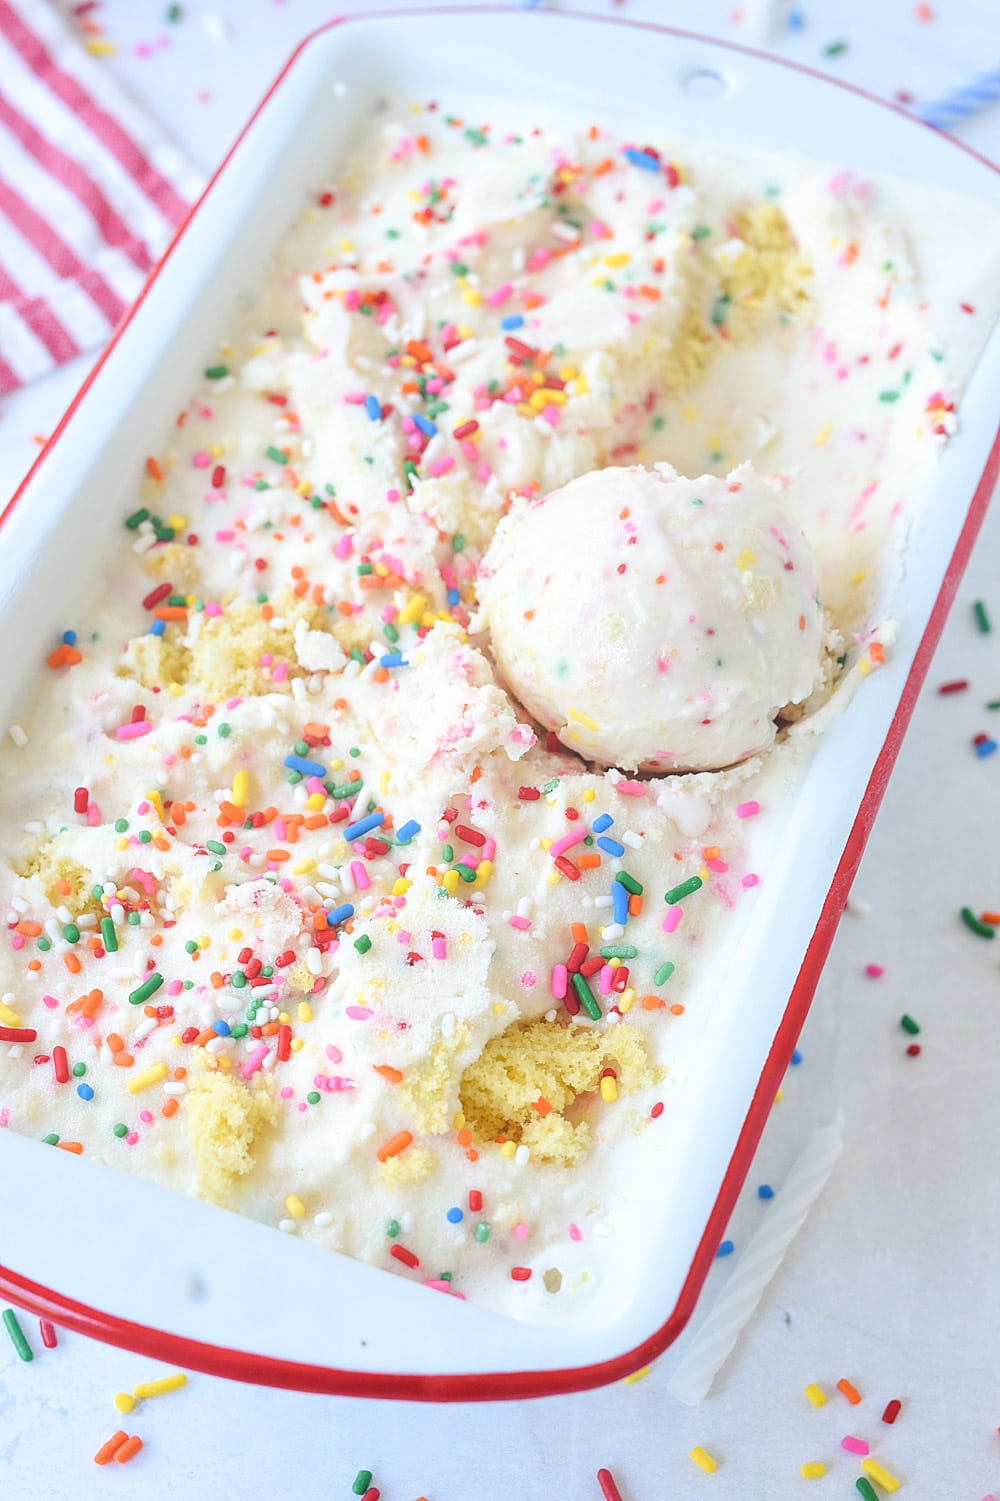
(892, 1282)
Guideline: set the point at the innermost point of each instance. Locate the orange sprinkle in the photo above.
(109, 1449)
(72, 963)
(393, 1075)
(579, 932)
(677, 1009)
(651, 1002)
(171, 612)
(203, 1037)
(588, 862)
(876, 652)
(216, 980)
(29, 929)
(153, 470)
(634, 905)
(850, 1392)
(170, 1108)
(34, 964)
(542, 1106)
(465, 1138)
(278, 855)
(155, 939)
(124, 1060)
(603, 167)
(128, 1449)
(381, 674)
(76, 1147)
(394, 1146)
(993, 918)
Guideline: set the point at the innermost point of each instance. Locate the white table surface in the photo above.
(891, 1283)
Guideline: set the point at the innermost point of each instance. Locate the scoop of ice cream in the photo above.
(653, 621)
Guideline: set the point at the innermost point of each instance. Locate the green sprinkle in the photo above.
(982, 619)
(173, 13)
(108, 935)
(468, 876)
(362, 1481)
(134, 919)
(664, 972)
(148, 987)
(346, 789)
(551, 786)
(994, 703)
(619, 951)
(586, 998)
(145, 837)
(363, 944)
(972, 921)
(909, 1025)
(700, 232)
(834, 49)
(719, 308)
(79, 1069)
(237, 979)
(312, 1097)
(52, 1140)
(392, 1229)
(71, 933)
(458, 269)
(121, 825)
(632, 886)
(458, 543)
(276, 454)
(121, 1130)
(355, 750)
(240, 1030)
(44, 945)
(190, 947)
(391, 633)
(866, 1490)
(215, 847)
(16, 1333)
(448, 853)
(888, 396)
(137, 518)
(678, 893)
(482, 1232)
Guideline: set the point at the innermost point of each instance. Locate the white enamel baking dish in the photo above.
(100, 1252)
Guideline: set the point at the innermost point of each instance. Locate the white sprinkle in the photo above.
(288, 1226)
(522, 1156)
(323, 1219)
(18, 736)
(633, 840)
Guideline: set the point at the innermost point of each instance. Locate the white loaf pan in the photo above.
(101, 1252)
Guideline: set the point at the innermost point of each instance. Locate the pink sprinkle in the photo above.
(200, 460)
(559, 981)
(392, 495)
(748, 810)
(442, 465)
(50, 1001)
(145, 1117)
(672, 921)
(343, 547)
(520, 1231)
(751, 880)
(631, 789)
(255, 1061)
(521, 923)
(93, 815)
(605, 978)
(333, 1053)
(489, 849)
(719, 866)
(567, 841)
(134, 730)
(225, 536)
(575, 1233)
(873, 971)
(361, 877)
(854, 1445)
(357, 1013)
(175, 987)
(132, 1138)
(280, 673)
(439, 948)
(499, 295)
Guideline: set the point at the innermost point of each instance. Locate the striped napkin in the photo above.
(90, 195)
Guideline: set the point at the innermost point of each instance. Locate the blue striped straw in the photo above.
(946, 112)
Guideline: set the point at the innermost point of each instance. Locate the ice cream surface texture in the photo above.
(653, 621)
(304, 915)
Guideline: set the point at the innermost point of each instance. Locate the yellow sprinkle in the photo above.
(637, 1375)
(816, 1394)
(157, 802)
(121, 843)
(384, 783)
(177, 522)
(304, 1012)
(483, 872)
(297, 1044)
(813, 1470)
(400, 886)
(617, 258)
(100, 47)
(204, 942)
(458, 1121)
(450, 881)
(8, 1017)
(609, 1089)
(508, 1148)
(234, 935)
(346, 245)
(553, 877)
(336, 765)
(745, 559)
(779, 1097)
(568, 372)
(471, 296)
(146, 1078)
(881, 1477)
(580, 718)
(303, 867)
(580, 386)
(413, 608)
(858, 578)
(124, 1402)
(303, 488)
(614, 963)
(689, 413)
(176, 689)
(295, 1206)
(625, 999)
(823, 434)
(589, 795)
(499, 1008)
(864, 667)
(703, 1460)
(241, 788)
(159, 1388)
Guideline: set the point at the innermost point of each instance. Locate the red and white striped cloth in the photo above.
(90, 194)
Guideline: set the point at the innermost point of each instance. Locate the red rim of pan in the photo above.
(239, 1365)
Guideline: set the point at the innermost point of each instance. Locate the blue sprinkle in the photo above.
(602, 822)
(85, 1092)
(726, 1248)
(406, 833)
(374, 408)
(644, 159)
(796, 1056)
(220, 1028)
(619, 897)
(611, 847)
(453, 597)
(157, 628)
(425, 424)
(765, 1191)
(363, 826)
(340, 914)
(986, 747)
(513, 320)
(455, 1216)
(307, 768)
(796, 20)
(69, 638)
(393, 659)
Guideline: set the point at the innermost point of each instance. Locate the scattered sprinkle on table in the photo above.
(609, 1489)
(17, 1337)
(704, 1460)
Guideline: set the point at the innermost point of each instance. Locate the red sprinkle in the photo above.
(218, 476)
(475, 1200)
(578, 954)
(609, 1490)
(520, 1273)
(657, 1110)
(156, 595)
(60, 1064)
(471, 836)
(959, 685)
(466, 429)
(591, 966)
(48, 1334)
(891, 1410)
(18, 1034)
(913, 1051)
(405, 1256)
(528, 794)
(567, 867)
(284, 1044)
(81, 797)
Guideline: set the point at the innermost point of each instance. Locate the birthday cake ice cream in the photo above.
(330, 895)
(653, 621)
